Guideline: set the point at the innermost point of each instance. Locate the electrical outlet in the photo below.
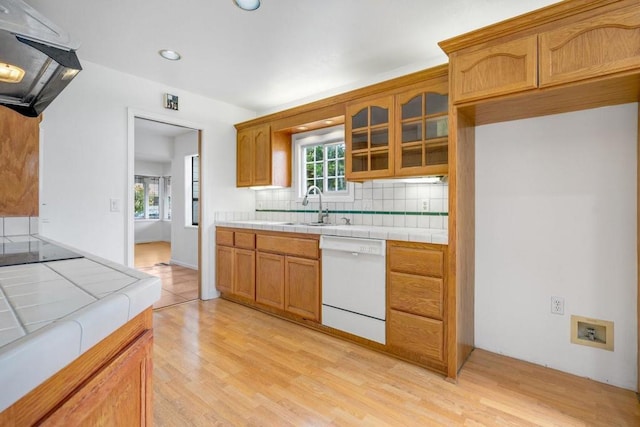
(424, 205)
(557, 305)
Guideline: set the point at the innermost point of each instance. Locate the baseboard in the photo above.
(183, 264)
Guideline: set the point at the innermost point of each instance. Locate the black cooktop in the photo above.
(34, 251)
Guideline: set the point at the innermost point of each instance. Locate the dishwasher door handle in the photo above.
(355, 253)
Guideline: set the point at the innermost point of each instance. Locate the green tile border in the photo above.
(357, 212)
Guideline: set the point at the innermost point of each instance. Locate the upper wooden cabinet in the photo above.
(403, 133)
(262, 158)
(369, 146)
(19, 142)
(593, 47)
(422, 131)
(496, 70)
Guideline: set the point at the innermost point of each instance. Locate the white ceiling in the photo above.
(286, 52)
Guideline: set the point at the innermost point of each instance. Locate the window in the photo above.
(320, 161)
(192, 169)
(146, 197)
(167, 198)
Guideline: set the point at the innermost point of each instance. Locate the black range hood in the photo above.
(37, 59)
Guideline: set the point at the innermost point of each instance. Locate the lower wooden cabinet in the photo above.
(416, 337)
(109, 385)
(282, 272)
(416, 296)
(244, 273)
(224, 268)
(270, 279)
(116, 395)
(302, 287)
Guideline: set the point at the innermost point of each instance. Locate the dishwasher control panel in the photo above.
(353, 245)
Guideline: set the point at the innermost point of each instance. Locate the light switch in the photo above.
(114, 205)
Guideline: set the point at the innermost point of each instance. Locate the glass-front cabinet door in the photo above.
(422, 132)
(369, 139)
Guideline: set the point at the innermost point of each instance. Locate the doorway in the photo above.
(163, 232)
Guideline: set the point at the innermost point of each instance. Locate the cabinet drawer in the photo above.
(420, 261)
(224, 237)
(594, 47)
(496, 70)
(415, 335)
(306, 248)
(416, 294)
(245, 240)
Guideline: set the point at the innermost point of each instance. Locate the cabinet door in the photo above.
(19, 142)
(497, 70)
(422, 131)
(594, 47)
(414, 336)
(419, 295)
(262, 156)
(244, 158)
(244, 273)
(118, 395)
(224, 268)
(369, 139)
(270, 279)
(302, 287)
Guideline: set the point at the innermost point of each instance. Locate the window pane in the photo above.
(331, 184)
(319, 167)
(194, 212)
(167, 197)
(138, 191)
(319, 152)
(341, 150)
(331, 166)
(331, 152)
(310, 182)
(310, 170)
(319, 183)
(153, 197)
(308, 154)
(342, 184)
(340, 167)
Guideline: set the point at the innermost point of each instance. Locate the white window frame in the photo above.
(331, 135)
(146, 179)
(188, 191)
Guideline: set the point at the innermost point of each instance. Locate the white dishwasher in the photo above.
(353, 286)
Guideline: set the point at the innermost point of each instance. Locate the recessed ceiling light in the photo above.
(171, 55)
(328, 122)
(302, 128)
(247, 4)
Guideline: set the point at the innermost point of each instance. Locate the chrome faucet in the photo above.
(321, 215)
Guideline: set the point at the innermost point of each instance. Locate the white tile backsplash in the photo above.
(394, 199)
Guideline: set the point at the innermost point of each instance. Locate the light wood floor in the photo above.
(219, 363)
(179, 284)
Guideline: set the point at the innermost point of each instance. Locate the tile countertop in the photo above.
(424, 235)
(52, 312)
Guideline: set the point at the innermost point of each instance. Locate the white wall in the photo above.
(184, 238)
(85, 159)
(156, 147)
(149, 168)
(556, 216)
